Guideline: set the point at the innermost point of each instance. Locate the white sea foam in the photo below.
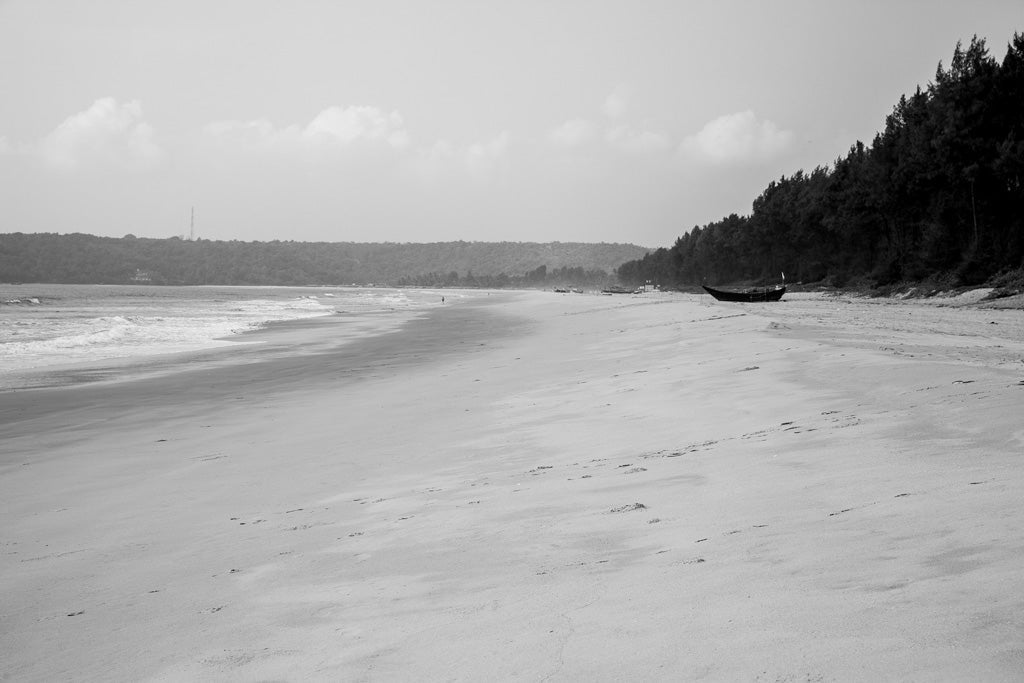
(122, 336)
(44, 325)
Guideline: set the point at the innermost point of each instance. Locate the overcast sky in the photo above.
(433, 120)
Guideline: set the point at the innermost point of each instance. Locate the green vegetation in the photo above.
(80, 258)
(939, 194)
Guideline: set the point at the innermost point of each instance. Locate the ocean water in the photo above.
(43, 327)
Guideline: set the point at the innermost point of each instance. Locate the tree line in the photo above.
(937, 194)
(85, 259)
(541, 276)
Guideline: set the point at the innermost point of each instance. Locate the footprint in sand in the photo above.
(629, 508)
(734, 531)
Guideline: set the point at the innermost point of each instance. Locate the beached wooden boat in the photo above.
(753, 294)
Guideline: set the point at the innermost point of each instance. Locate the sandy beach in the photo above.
(533, 486)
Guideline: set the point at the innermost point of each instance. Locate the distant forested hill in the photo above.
(939, 193)
(79, 258)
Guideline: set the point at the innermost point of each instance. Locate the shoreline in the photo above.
(328, 351)
(236, 322)
(586, 487)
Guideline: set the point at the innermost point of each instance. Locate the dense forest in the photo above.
(938, 194)
(80, 258)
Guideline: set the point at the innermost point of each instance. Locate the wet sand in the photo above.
(535, 487)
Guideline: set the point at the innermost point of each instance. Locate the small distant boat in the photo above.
(616, 289)
(749, 295)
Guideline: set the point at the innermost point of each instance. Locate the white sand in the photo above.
(828, 489)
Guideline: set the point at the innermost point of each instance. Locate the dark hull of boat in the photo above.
(750, 295)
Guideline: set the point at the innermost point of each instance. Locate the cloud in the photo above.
(440, 151)
(637, 141)
(429, 163)
(107, 133)
(483, 158)
(616, 104)
(623, 137)
(737, 139)
(363, 139)
(445, 161)
(616, 132)
(333, 127)
(573, 133)
(255, 133)
(345, 125)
